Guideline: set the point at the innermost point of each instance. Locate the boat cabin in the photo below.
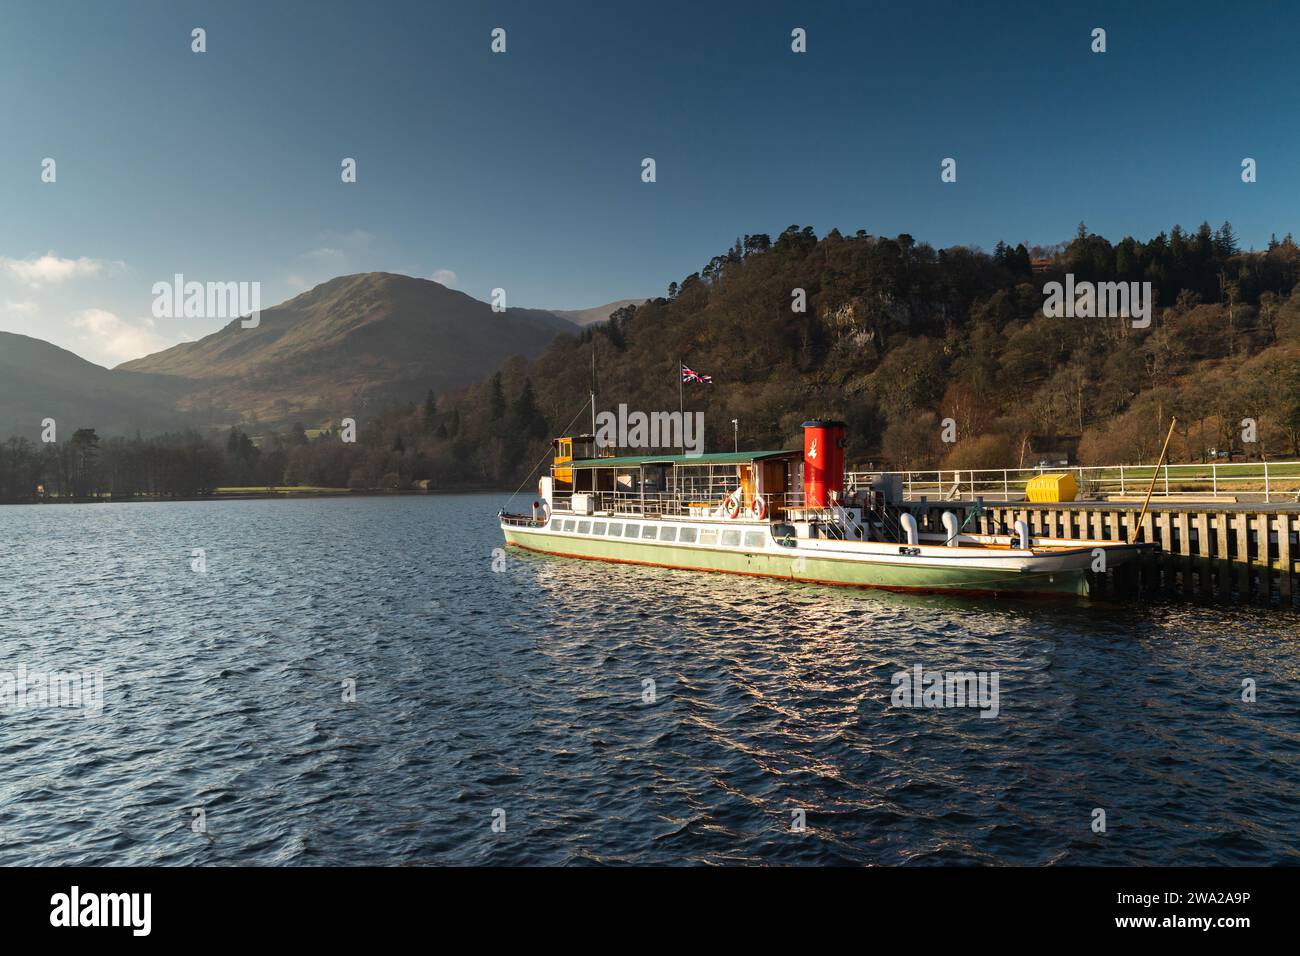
(800, 492)
(741, 482)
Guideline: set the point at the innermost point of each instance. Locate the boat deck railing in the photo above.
(676, 505)
(521, 521)
(877, 522)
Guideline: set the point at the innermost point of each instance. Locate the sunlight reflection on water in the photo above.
(523, 691)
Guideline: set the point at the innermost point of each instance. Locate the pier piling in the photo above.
(1242, 553)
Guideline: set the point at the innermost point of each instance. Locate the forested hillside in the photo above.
(898, 336)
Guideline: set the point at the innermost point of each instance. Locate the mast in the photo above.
(681, 402)
(1137, 528)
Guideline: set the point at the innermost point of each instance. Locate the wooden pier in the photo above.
(1241, 553)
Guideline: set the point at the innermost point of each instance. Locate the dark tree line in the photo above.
(400, 449)
(86, 466)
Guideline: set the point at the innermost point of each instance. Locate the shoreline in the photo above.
(256, 495)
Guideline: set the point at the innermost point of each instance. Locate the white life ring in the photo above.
(759, 508)
(731, 506)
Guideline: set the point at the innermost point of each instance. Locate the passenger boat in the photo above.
(783, 514)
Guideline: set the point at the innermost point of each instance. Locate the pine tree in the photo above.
(497, 399)
(1019, 260)
(527, 419)
(430, 411)
(1225, 241)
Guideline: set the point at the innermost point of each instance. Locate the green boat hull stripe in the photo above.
(807, 565)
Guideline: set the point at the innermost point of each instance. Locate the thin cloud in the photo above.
(106, 334)
(50, 268)
(444, 277)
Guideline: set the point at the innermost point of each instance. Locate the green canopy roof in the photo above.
(714, 458)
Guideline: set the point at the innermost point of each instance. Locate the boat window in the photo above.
(731, 539)
(598, 528)
(616, 529)
(667, 533)
(584, 527)
(568, 525)
(753, 539)
(687, 535)
(631, 530)
(708, 537)
(648, 531)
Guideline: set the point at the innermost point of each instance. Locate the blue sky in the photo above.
(522, 170)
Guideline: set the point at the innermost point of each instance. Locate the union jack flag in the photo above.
(690, 375)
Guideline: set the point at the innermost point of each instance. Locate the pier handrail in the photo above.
(1219, 479)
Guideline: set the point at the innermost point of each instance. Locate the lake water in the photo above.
(521, 696)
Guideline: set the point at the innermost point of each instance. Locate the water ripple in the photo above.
(525, 697)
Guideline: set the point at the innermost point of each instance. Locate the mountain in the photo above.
(348, 347)
(39, 380)
(600, 313)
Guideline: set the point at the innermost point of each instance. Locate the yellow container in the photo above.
(1058, 486)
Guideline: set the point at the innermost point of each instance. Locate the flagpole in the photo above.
(681, 401)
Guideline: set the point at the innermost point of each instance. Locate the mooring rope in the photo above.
(975, 512)
(548, 453)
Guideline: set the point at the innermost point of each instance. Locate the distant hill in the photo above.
(600, 313)
(39, 380)
(348, 347)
